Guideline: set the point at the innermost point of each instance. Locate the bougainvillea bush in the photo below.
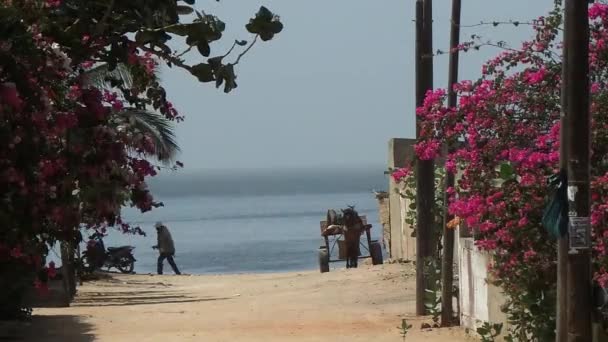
(71, 154)
(509, 121)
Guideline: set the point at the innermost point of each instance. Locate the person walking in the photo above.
(165, 247)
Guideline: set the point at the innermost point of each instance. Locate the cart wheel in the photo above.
(376, 252)
(323, 260)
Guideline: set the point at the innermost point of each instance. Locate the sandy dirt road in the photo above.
(364, 304)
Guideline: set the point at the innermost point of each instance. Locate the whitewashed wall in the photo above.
(479, 301)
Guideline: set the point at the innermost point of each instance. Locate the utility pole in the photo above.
(425, 169)
(578, 273)
(447, 262)
(562, 243)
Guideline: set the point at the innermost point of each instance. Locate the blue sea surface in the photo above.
(253, 223)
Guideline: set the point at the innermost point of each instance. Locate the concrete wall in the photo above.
(384, 217)
(402, 245)
(479, 301)
(408, 243)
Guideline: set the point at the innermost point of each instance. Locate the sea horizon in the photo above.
(269, 181)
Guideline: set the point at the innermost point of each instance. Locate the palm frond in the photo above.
(157, 127)
(154, 125)
(99, 75)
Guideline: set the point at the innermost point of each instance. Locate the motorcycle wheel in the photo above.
(126, 265)
(88, 264)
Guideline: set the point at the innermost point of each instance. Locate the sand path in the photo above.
(366, 304)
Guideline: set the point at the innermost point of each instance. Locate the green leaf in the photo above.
(229, 78)
(252, 28)
(192, 39)
(144, 37)
(215, 62)
(203, 71)
(164, 47)
(155, 37)
(276, 26)
(266, 36)
(180, 30)
(241, 42)
(264, 14)
(265, 24)
(202, 32)
(203, 48)
(218, 82)
(220, 25)
(506, 171)
(483, 331)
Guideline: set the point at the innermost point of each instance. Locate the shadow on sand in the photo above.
(138, 298)
(57, 328)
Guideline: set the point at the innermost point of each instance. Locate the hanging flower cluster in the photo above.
(73, 154)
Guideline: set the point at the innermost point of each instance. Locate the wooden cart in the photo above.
(332, 239)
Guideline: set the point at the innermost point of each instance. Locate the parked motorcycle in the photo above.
(96, 256)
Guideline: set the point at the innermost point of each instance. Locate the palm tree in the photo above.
(153, 124)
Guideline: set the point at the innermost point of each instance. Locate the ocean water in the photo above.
(253, 223)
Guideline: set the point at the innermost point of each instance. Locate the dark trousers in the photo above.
(351, 262)
(352, 251)
(161, 259)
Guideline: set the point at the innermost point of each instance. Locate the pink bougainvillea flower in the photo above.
(53, 3)
(16, 252)
(598, 10)
(401, 173)
(427, 150)
(10, 96)
(537, 76)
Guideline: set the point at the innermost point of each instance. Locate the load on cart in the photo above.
(345, 230)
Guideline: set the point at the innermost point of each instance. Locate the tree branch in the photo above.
(102, 23)
(167, 57)
(185, 51)
(246, 50)
(72, 25)
(496, 23)
(229, 51)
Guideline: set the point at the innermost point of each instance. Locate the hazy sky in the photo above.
(332, 88)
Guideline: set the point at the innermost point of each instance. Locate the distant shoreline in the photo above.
(269, 182)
